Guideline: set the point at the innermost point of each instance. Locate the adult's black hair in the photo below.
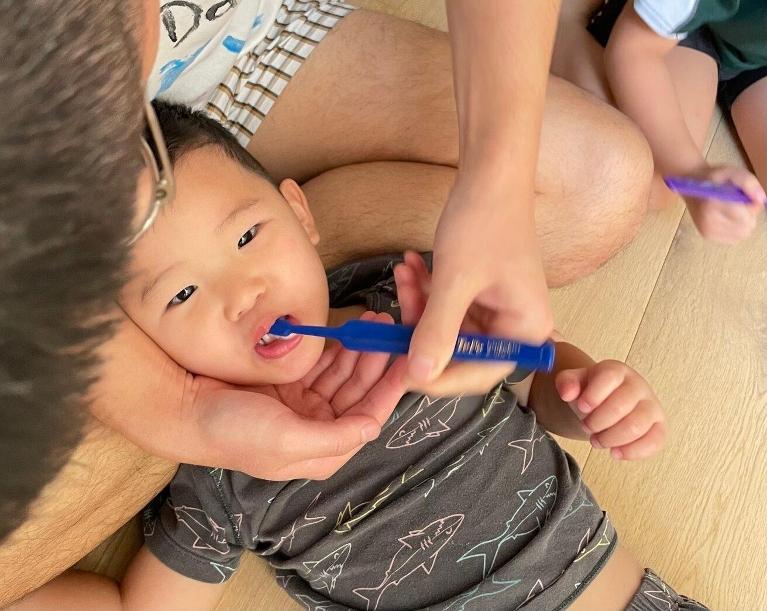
(70, 119)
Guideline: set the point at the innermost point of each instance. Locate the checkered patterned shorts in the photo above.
(243, 99)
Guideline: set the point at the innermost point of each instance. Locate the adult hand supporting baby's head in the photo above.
(306, 429)
(259, 435)
(170, 413)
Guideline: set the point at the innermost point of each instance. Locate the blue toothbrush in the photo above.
(367, 336)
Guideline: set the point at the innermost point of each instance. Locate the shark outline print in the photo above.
(424, 425)
(478, 448)
(534, 509)
(327, 570)
(351, 516)
(209, 534)
(306, 520)
(419, 550)
(318, 605)
(484, 589)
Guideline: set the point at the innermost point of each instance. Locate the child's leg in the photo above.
(695, 76)
(614, 586)
(750, 118)
(623, 586)
(577, 56)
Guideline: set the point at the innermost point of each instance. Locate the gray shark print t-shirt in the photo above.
(461, 503)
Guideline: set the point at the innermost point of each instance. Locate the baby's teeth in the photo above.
(268, 338)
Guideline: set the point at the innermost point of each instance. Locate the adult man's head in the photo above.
(70, 111)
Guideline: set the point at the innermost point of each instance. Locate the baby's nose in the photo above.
(242, 300)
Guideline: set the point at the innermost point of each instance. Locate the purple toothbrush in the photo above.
(693, 187)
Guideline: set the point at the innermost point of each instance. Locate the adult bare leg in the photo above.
(379, 88)
(396, 205)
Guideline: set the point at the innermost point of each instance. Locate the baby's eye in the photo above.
(248, 236)
(183, 295)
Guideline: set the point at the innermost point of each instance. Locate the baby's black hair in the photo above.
(186, 130)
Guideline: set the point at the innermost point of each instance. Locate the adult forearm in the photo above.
(554, 414)
(501, 55)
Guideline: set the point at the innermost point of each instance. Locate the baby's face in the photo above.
(221, 264)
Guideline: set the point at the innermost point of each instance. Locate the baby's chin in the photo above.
(293, 369)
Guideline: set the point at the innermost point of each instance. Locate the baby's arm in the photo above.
(607, 402)
(148, 585)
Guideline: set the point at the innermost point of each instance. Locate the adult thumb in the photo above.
(435, 334)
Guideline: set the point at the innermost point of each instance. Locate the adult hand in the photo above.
(170, 413)
(487, 269)
(305, 429)
(727, 222)
(485, 253)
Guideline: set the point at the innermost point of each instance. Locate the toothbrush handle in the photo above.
(482, 348)
(367, 336)
(395, 339)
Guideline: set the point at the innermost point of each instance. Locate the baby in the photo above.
(462, 502)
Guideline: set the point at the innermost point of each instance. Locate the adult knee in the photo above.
(623, 168)
(608, 200)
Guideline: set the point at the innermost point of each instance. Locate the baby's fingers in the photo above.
(647, 445)
(415, 261)
(338, 368)
(629, 429)
(369, 369)
(412, 299)
(570, 383)
(613, 409)
(743, 179)
(603, 379)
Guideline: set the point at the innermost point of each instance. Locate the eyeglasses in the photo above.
(164, 185)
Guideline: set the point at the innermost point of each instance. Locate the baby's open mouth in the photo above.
(271, 345)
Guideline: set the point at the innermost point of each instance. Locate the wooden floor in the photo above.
(690, 316)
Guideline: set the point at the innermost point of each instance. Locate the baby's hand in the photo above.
(617, 408)
(727, 222)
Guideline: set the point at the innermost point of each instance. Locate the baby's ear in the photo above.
(297, 201)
